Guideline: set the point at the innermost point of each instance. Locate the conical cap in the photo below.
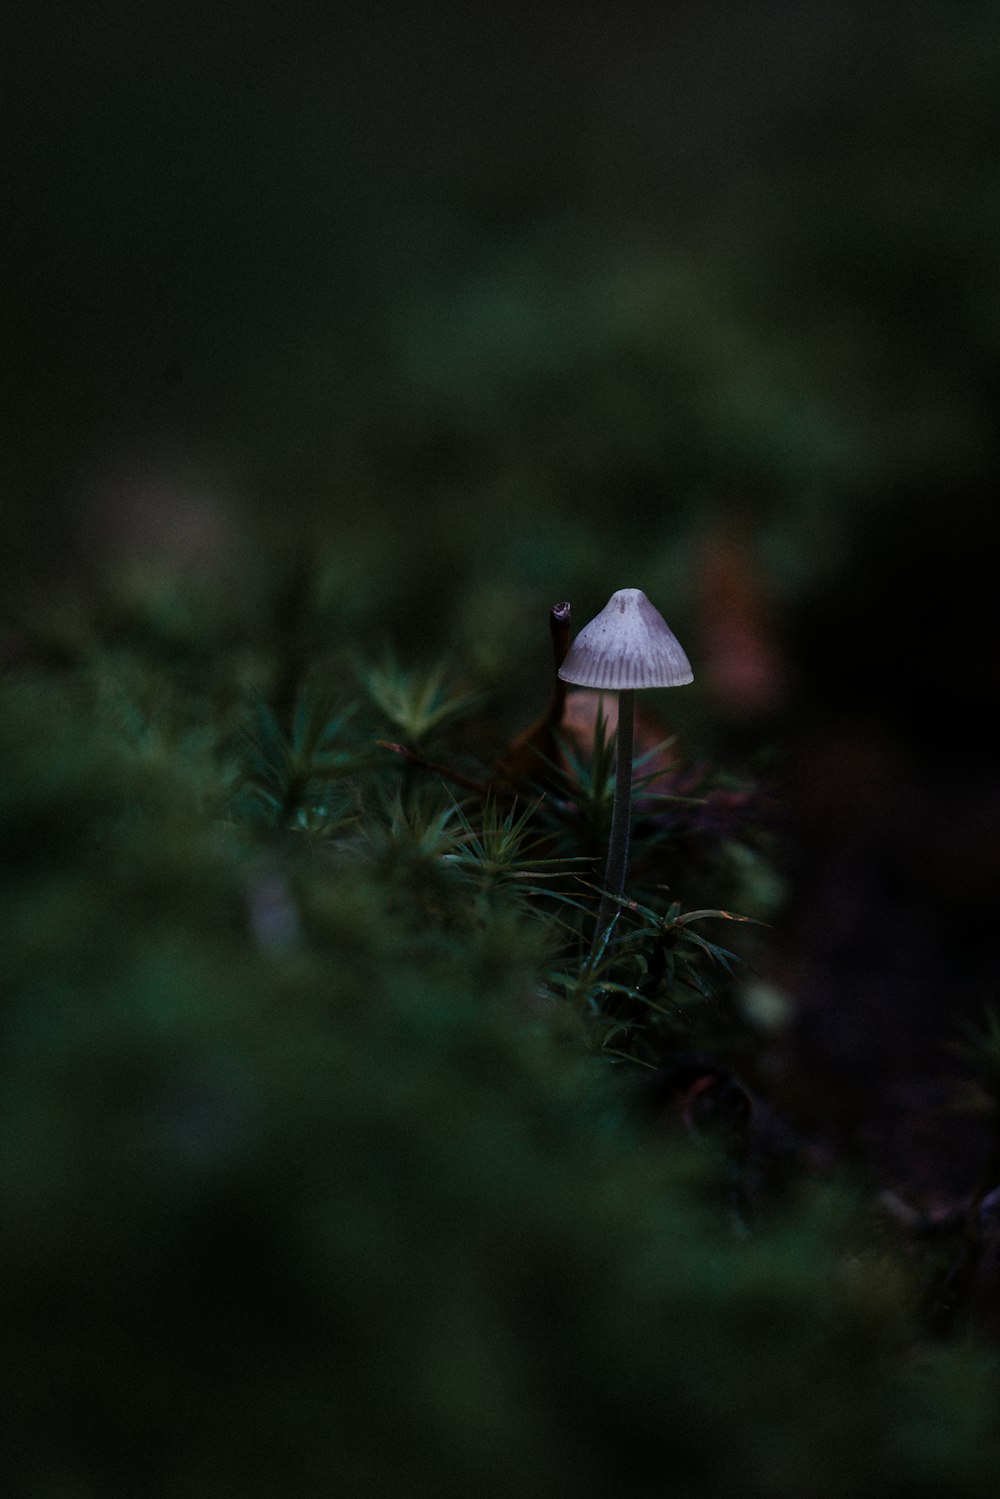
(628, 645)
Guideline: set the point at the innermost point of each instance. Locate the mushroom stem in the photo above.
(621, 815)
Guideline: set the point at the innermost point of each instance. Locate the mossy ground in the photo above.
(325, 1163)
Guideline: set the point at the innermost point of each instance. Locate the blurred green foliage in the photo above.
(310, 1181)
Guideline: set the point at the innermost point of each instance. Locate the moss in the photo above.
(313, 1181)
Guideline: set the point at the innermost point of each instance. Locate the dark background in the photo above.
(551, 291)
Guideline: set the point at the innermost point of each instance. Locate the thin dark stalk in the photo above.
(559, 618)
(621, 816)
(444, 771)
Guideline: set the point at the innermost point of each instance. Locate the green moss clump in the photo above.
(304, 1193)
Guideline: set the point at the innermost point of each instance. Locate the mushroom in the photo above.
(625, 648)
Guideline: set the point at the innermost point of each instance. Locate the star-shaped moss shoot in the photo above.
(627, 647)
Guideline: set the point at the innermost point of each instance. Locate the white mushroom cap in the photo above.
(628, 645)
